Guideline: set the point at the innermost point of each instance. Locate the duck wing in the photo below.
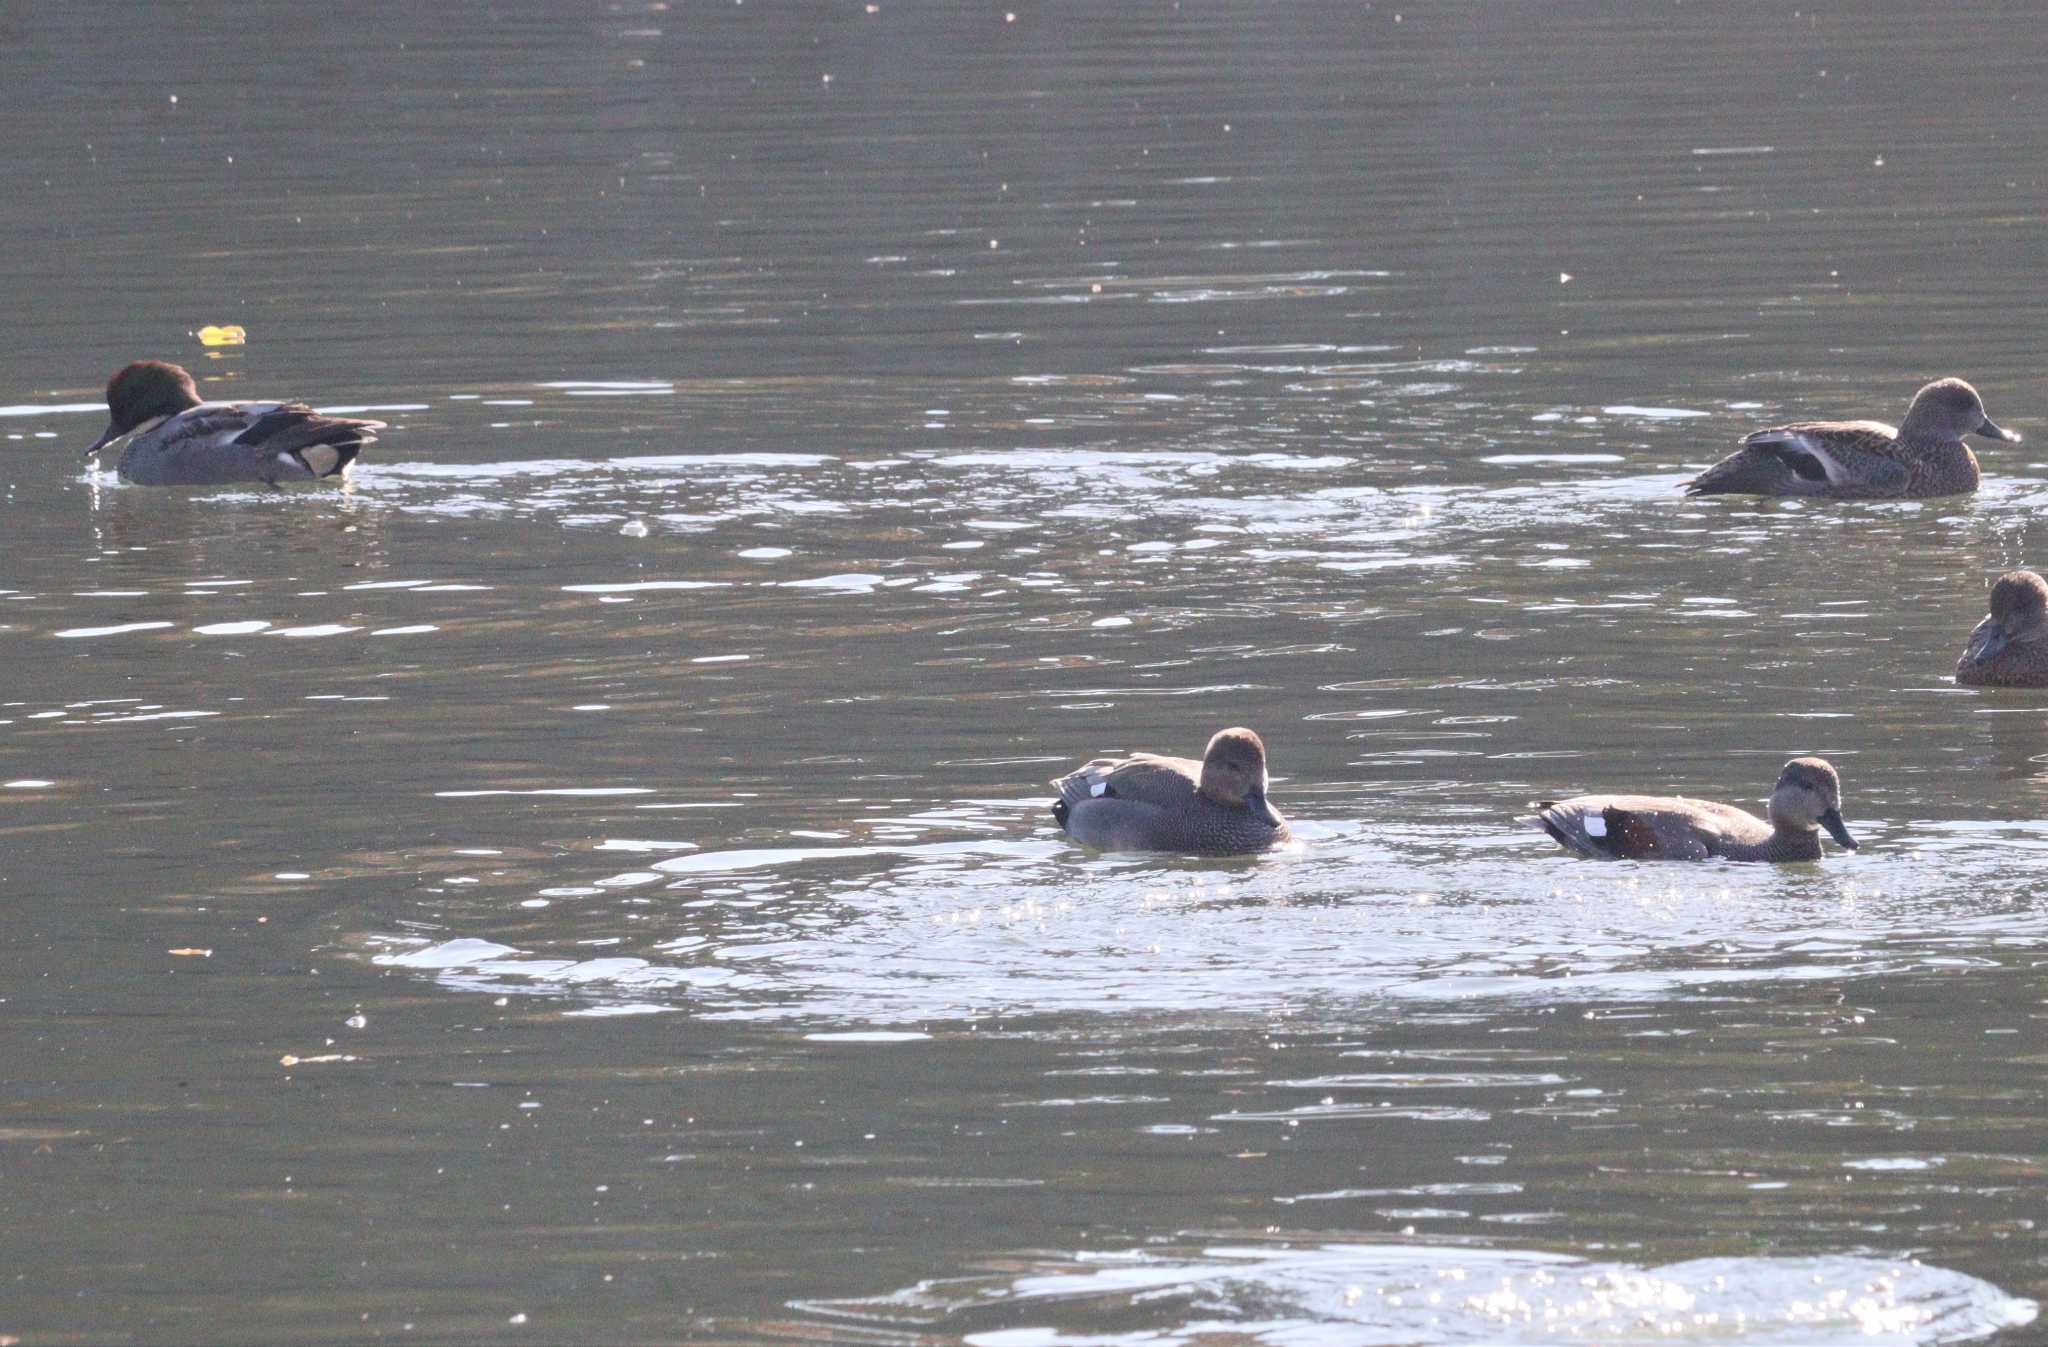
(1810, 458)
(1625, 827)
(298, 441)
(1147, 778)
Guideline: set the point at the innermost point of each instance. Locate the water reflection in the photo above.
(1394, 1294)
(910, 931)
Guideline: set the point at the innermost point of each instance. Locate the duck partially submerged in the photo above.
(172, 438)
(2009, 649)
(1146, 802)
(1808, 797)
(1864, 460)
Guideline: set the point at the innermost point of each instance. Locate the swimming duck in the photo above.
(2009, 649)
(174, 439)
(1215, 807)
(1673, 828)
(1864, 460)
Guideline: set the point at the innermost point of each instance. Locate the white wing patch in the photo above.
(1805, 444)
(1594, 824)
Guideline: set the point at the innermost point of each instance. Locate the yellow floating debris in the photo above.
(190, 952)
(229, 335)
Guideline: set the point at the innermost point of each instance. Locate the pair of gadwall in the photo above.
(1925, 456)
(172, 438)
(2007, 649)
(1863, 460)
(1218, 807)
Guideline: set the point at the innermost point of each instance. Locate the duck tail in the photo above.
(328, 445)
(1558, 824)
(1737, 474)
(321, 446)
(1541, 822)
(331, 455)
(1088, 782)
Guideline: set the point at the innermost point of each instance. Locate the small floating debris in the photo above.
(226, 334)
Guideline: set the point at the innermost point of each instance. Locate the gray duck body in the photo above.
(1675, 828)
(219, 442)
(1149, 802)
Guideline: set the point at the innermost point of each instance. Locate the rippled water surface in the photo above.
(589, 879)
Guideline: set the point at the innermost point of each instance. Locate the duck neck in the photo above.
(1922, 426)
(1785, 824)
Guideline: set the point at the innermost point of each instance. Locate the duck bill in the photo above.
(1257, 801)
(1832, 821)
(1990, 430)
(1990, 645)
(114, 432)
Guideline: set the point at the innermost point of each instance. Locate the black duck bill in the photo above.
(1990, 646)
(114, 432)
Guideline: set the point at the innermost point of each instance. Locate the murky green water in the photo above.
(590, 879)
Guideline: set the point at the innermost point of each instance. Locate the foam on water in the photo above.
(1397, 1295)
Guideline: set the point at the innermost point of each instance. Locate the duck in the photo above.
(170, 437)
(1864, 460)
(2009, 649)
(1148, 802)
(1808, 797)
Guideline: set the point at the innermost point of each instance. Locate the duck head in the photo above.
(1234, 770)
(2019, 616)
(145, 391)
(1949, 409)
(1809, 795)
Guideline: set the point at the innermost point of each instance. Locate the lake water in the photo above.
(590, 879)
